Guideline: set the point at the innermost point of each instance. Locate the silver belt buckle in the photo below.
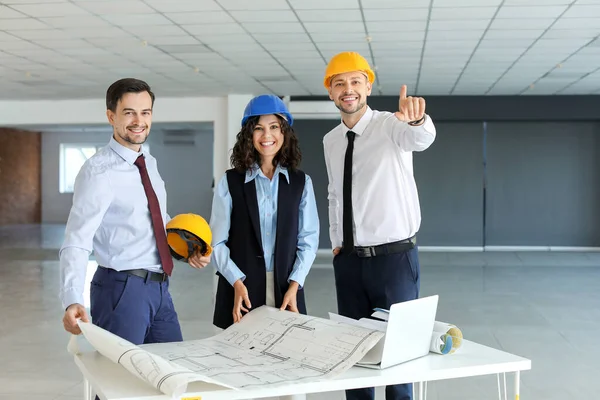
(365, 252)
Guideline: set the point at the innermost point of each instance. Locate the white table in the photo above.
(113, 382)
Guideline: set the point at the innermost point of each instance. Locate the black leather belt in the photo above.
(142, 273)
(388, 248)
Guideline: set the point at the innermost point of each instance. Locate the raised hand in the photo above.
(410, 108)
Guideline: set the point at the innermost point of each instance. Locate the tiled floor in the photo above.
(543, 306)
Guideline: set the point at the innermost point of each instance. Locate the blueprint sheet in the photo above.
(268, 347)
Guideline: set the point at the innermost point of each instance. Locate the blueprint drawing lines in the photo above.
(272, 347)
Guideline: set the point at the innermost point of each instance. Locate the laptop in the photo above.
(408, 332)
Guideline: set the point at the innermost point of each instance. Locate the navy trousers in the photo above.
(133, 308)
(363, 284)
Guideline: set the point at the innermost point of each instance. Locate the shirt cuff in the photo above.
(427, 125)
(233, 273)
(70, 296)
(297, 276)
(336, 243)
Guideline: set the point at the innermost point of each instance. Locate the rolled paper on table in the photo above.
(446, 338)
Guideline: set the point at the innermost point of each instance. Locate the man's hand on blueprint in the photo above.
(289, 300)
(240, 297)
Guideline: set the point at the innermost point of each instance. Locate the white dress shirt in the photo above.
(385, 201)
(110, 215)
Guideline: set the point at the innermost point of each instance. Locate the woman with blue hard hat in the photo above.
(264, 218)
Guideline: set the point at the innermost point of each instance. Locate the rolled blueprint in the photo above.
(446, 338)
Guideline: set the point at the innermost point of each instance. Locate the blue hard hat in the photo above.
(264, 105)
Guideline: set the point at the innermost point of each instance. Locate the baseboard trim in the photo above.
(475, 249)
(543, 248)
(451, 249)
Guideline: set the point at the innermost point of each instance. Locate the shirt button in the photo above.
(268, 214)
(268, 234)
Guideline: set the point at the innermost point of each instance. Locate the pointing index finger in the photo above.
(403, 92)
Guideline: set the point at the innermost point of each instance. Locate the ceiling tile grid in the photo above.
(76, 48)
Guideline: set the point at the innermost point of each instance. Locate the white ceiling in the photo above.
(76, 48)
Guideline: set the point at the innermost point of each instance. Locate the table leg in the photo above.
(87, 390)
(517, 384)
(505, 390)
(499, 387)
(422, 393)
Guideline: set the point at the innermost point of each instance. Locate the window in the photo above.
(72, 157)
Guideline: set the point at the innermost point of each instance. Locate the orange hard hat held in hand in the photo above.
(187, 233)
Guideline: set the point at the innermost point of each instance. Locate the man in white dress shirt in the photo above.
(119, 211)
(374, 211)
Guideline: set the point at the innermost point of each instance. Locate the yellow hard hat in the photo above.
(346, 62)
(186, 233)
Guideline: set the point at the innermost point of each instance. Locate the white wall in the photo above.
(93, 111)
(226, 129)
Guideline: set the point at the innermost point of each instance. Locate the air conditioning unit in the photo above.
(179, 137)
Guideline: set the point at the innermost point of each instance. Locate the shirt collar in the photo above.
(361, 125)
(255, 171)
(126, 154)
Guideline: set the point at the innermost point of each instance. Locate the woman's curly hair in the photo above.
(244, 154)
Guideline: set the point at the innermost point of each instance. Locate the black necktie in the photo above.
(347, 217)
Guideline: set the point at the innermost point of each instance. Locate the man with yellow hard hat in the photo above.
(119, 212)
(374, 211)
